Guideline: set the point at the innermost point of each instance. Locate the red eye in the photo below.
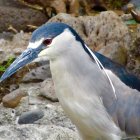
(47, 41)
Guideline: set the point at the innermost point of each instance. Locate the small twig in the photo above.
(32, 27)
(12, 29)
(36, 7)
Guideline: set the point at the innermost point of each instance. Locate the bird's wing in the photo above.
(125, 110)
(127, 78)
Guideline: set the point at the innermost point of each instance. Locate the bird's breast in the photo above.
(79, 101)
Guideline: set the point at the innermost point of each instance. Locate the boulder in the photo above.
(17, 15)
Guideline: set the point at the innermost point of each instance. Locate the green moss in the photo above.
(4, 66)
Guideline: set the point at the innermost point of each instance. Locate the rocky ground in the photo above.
(29, 108)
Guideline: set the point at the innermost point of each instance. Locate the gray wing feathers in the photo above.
(125, 110)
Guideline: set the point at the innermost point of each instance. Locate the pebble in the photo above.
(12, 99)
(31, 116)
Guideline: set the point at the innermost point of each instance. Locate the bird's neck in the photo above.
(70, 68)
(74, 73)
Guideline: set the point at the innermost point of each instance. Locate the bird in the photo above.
(99, 96)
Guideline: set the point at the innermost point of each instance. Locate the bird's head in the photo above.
(49, 40)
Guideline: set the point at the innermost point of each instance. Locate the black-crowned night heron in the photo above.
(95, 98)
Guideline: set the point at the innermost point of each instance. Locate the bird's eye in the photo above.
(47, 41)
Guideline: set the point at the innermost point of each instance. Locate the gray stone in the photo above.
(126, 17)
(38, 74)
(30, 117)
(13, 47)
(13, 87)
(17, 15)
(138, 32)
(47, 90)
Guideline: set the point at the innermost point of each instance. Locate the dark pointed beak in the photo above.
(26, 57)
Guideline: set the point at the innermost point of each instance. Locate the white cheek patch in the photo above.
(36, 44)
(43, 52)
(59, 43)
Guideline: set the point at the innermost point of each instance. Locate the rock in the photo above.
(47, 90)
(30, 117)
(53, 112)
(59, 6)
(13, 87)
(7, 116)
(14, 46)
(53, 115)
(6, 36)
(109, 36)
(37, 74)
(133, 62)
(76, 23)
(17, 15)
(138, 31)
(38, 132)
(33, 90)
(13, 99)
(126, 17)
(105, 33)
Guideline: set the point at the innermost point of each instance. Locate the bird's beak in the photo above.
(26, 57)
